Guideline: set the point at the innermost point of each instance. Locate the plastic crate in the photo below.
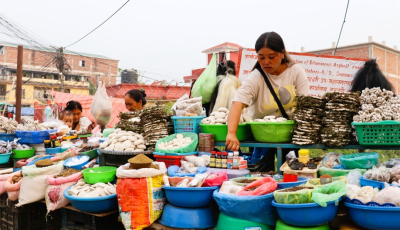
(187, 124)
(169, 160)
(28, 217)
(72, 219)
(7, 137)
(384, 133)
(116, 160)
(34, 137)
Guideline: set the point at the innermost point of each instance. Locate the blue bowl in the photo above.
(189, 197)
(52, 151)
(306, 215)
(300, 181)
(94, 204)
(79, 166)
(374, 217)
(5, 157)
(251, 208)
(33, 162)
(189, 218)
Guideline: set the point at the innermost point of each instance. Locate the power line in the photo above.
(100, 24)
(344, 20)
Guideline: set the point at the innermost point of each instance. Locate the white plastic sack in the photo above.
(84, 123)
(124, 172)
(101, 107)
(354, 178)
(34, 184)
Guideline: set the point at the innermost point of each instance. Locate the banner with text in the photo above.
(324, 74)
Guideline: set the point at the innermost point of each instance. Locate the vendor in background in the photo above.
(135, 99)
(76, 108)
(286, 78)
(370, 76)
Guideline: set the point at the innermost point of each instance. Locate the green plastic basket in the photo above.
(188, 149)
(378, 133)
(91, 154)
(272, 132)
(243, 132)
(23, 153)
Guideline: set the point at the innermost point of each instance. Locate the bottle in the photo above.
(47, 144)
(236, 159)
(304, 155)
(218, 160)
(212, 159)
(224, 160)
(230, 160)
(56, 142)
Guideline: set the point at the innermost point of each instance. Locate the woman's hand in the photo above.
(232, 143)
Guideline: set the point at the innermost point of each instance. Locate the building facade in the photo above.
(388, 58)
(40, 74)
(230, 50)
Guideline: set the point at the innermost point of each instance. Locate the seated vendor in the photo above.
(135, 99)
(80, 124)
(286, 78)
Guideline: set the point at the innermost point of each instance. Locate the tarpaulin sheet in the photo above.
(24, 111)
(86, 101)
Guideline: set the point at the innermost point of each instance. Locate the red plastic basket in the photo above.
(170, 160)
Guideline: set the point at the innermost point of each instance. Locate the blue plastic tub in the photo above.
(33, 162)
(52, 151)
(373, 183)
(300, 181)
(189, 218)
(7, 137)
(251, 208)
(94, 204)
(374, 217)
(306, 215)
(78, 167)
(5, 157)
(173, 171)
(187, 124)
(34, 137)
(189, 197)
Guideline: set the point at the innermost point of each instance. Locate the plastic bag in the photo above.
(392, 163)
(228, 86)
(395, 174)
(337, 172)
(290, 157)
(331, 160)
(205, 84)
(381, 174)
(13, 189)
(101, 107)
(359, 160)
(187, 149)
(262, 186)
(366, 194)
(124, 171)
(222, 176)
(390, 194)
(329, 192)
(200, 161)
(173, 171)
(297, 197)
(352, 191)
(354, 178)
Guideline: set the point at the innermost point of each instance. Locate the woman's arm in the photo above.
(232, 143)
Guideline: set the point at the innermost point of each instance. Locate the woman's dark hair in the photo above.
(370, 76)
(274, 42)
(137, 95)
(71, 105)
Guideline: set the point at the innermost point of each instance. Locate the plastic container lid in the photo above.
(236, 153)
(213, 152)
(47, 141)
(304, 152)
(230, 154)
(225, 153)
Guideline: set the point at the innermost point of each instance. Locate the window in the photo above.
(82, 63)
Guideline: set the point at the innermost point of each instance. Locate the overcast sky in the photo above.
(165, 38)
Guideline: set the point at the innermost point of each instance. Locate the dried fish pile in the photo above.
(378, 105)
(31, 126)
(339, 111)
(308, 117)
(7, 125)
(130, 121)
(155, 125)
